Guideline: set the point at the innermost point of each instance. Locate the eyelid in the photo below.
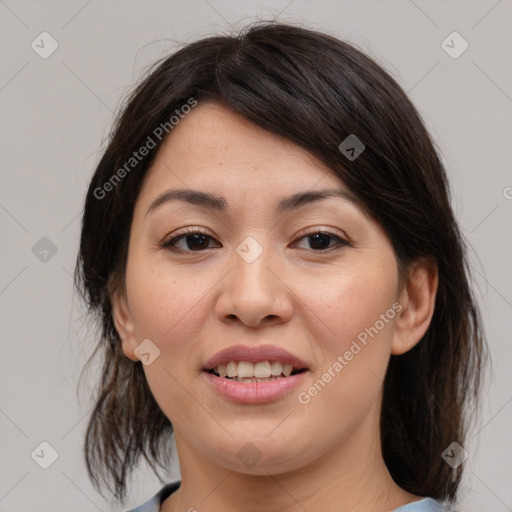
(191, 230)
(180, 233)
(323, 229)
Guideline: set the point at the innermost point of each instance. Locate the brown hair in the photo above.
(314, 90)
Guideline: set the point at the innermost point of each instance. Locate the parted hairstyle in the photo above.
(314, 90)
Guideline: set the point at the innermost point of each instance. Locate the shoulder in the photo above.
(424, 505)
(153, 504)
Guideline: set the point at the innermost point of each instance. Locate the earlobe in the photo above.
(418, 302)
(124, 324)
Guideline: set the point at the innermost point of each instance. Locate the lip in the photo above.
(254, 354)
(254, 392)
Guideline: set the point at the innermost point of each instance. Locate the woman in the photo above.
(270, 248)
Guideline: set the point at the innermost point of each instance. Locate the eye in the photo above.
(194, 241)
(320, 240)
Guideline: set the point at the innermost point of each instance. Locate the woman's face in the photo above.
(258, 276)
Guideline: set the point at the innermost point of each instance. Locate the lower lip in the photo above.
(254, 392)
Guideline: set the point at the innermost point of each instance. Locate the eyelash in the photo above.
(169, 243)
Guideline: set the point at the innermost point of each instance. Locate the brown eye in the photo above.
(197, 241)
(322, 240)
(192, 241)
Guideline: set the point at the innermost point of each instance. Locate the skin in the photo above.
(191, 303)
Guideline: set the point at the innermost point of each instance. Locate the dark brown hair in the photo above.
(314, 90)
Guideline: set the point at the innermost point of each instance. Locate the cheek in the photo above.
(352, 340)
(169, 308)
(165, 303)
(349, 305)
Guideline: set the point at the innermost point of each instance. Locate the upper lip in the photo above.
(254, 354)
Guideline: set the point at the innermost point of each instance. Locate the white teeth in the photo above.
(245, 369)
(261, 370)
(276, 368)
(255, 379)
(264, 370)
(232, 369)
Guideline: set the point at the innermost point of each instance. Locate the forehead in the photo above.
(215, 132)
(215, 149)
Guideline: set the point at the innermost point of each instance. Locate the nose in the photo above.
(254, 292)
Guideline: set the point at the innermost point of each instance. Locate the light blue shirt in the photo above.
(153, 505)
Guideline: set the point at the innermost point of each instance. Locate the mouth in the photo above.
(254, 374)
(260, 371)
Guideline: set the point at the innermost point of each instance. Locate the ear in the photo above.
(124, 324)
(418, 301)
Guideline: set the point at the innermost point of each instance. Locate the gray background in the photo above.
(55, 115)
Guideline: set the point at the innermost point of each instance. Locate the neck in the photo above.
(352, 476)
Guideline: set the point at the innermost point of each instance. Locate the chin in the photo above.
(261, 455)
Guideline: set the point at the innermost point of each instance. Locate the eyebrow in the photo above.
(219, 203)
